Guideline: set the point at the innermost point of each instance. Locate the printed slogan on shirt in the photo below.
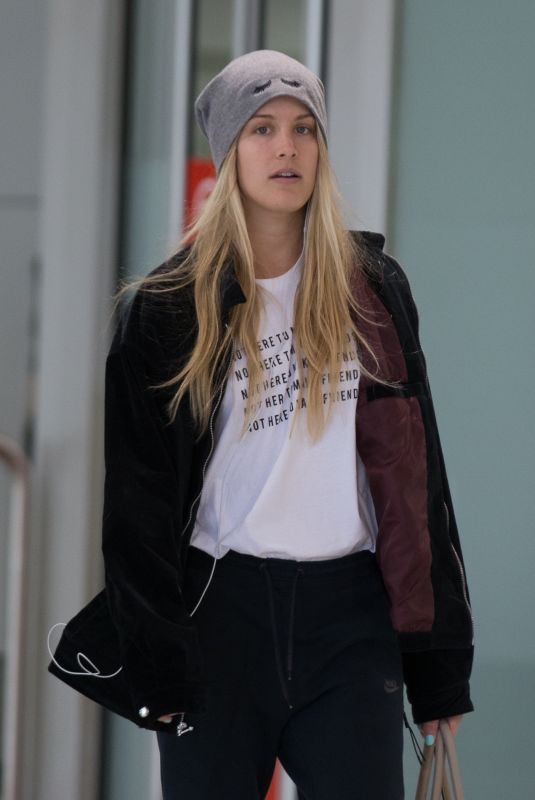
(276, 397)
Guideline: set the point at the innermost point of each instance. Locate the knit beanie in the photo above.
(244, 85)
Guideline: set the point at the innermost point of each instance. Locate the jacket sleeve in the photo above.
(437, 680)
(437, 683)
(418, 546)
(140, 535)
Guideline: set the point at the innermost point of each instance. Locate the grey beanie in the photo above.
(244, 85)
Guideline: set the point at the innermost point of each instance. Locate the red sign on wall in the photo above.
(200, 181)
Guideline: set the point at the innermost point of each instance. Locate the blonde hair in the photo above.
(334, 261)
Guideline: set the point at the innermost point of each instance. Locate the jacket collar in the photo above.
(375, 239)
(231, 291)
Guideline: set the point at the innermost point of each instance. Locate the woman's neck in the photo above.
(276, 244)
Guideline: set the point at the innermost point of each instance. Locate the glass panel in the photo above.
(285, 27)
(148, 141)
(212, 49)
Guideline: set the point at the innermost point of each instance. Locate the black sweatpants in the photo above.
(302, 664)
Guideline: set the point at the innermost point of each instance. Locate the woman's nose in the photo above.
(286, 145)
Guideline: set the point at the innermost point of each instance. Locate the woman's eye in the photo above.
(302, 130)
(307, 130)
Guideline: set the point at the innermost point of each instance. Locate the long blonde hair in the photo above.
(324, 299)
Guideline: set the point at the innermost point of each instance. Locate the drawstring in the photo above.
(290, 627)
(264, 568)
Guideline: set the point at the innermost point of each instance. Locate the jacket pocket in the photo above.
(88, 659)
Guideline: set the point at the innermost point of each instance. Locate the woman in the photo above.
(281, 551)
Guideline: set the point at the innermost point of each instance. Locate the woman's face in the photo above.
(280, 138)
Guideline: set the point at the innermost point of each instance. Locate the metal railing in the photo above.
(19, 467)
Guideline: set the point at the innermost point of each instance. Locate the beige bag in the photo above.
(440, 759)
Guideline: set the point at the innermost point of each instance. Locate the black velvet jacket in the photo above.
(137, 629)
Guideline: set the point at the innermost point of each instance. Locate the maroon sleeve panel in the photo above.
(392, 444)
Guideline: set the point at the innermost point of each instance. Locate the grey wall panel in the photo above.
(462, 211)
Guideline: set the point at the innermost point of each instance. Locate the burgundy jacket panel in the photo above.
(391, 442)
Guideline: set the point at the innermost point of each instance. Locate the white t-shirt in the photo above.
(272, 495)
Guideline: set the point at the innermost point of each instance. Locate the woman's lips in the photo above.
(283, 179)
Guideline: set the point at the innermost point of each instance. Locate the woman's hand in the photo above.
(431, 728)
(168, 717)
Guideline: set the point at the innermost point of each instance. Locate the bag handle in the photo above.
(440, 759)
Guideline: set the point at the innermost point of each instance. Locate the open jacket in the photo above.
(134, 648)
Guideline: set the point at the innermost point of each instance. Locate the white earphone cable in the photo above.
(94, 672)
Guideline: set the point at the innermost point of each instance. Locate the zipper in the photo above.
(207, 459)
(182, 726)
(461, 571)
